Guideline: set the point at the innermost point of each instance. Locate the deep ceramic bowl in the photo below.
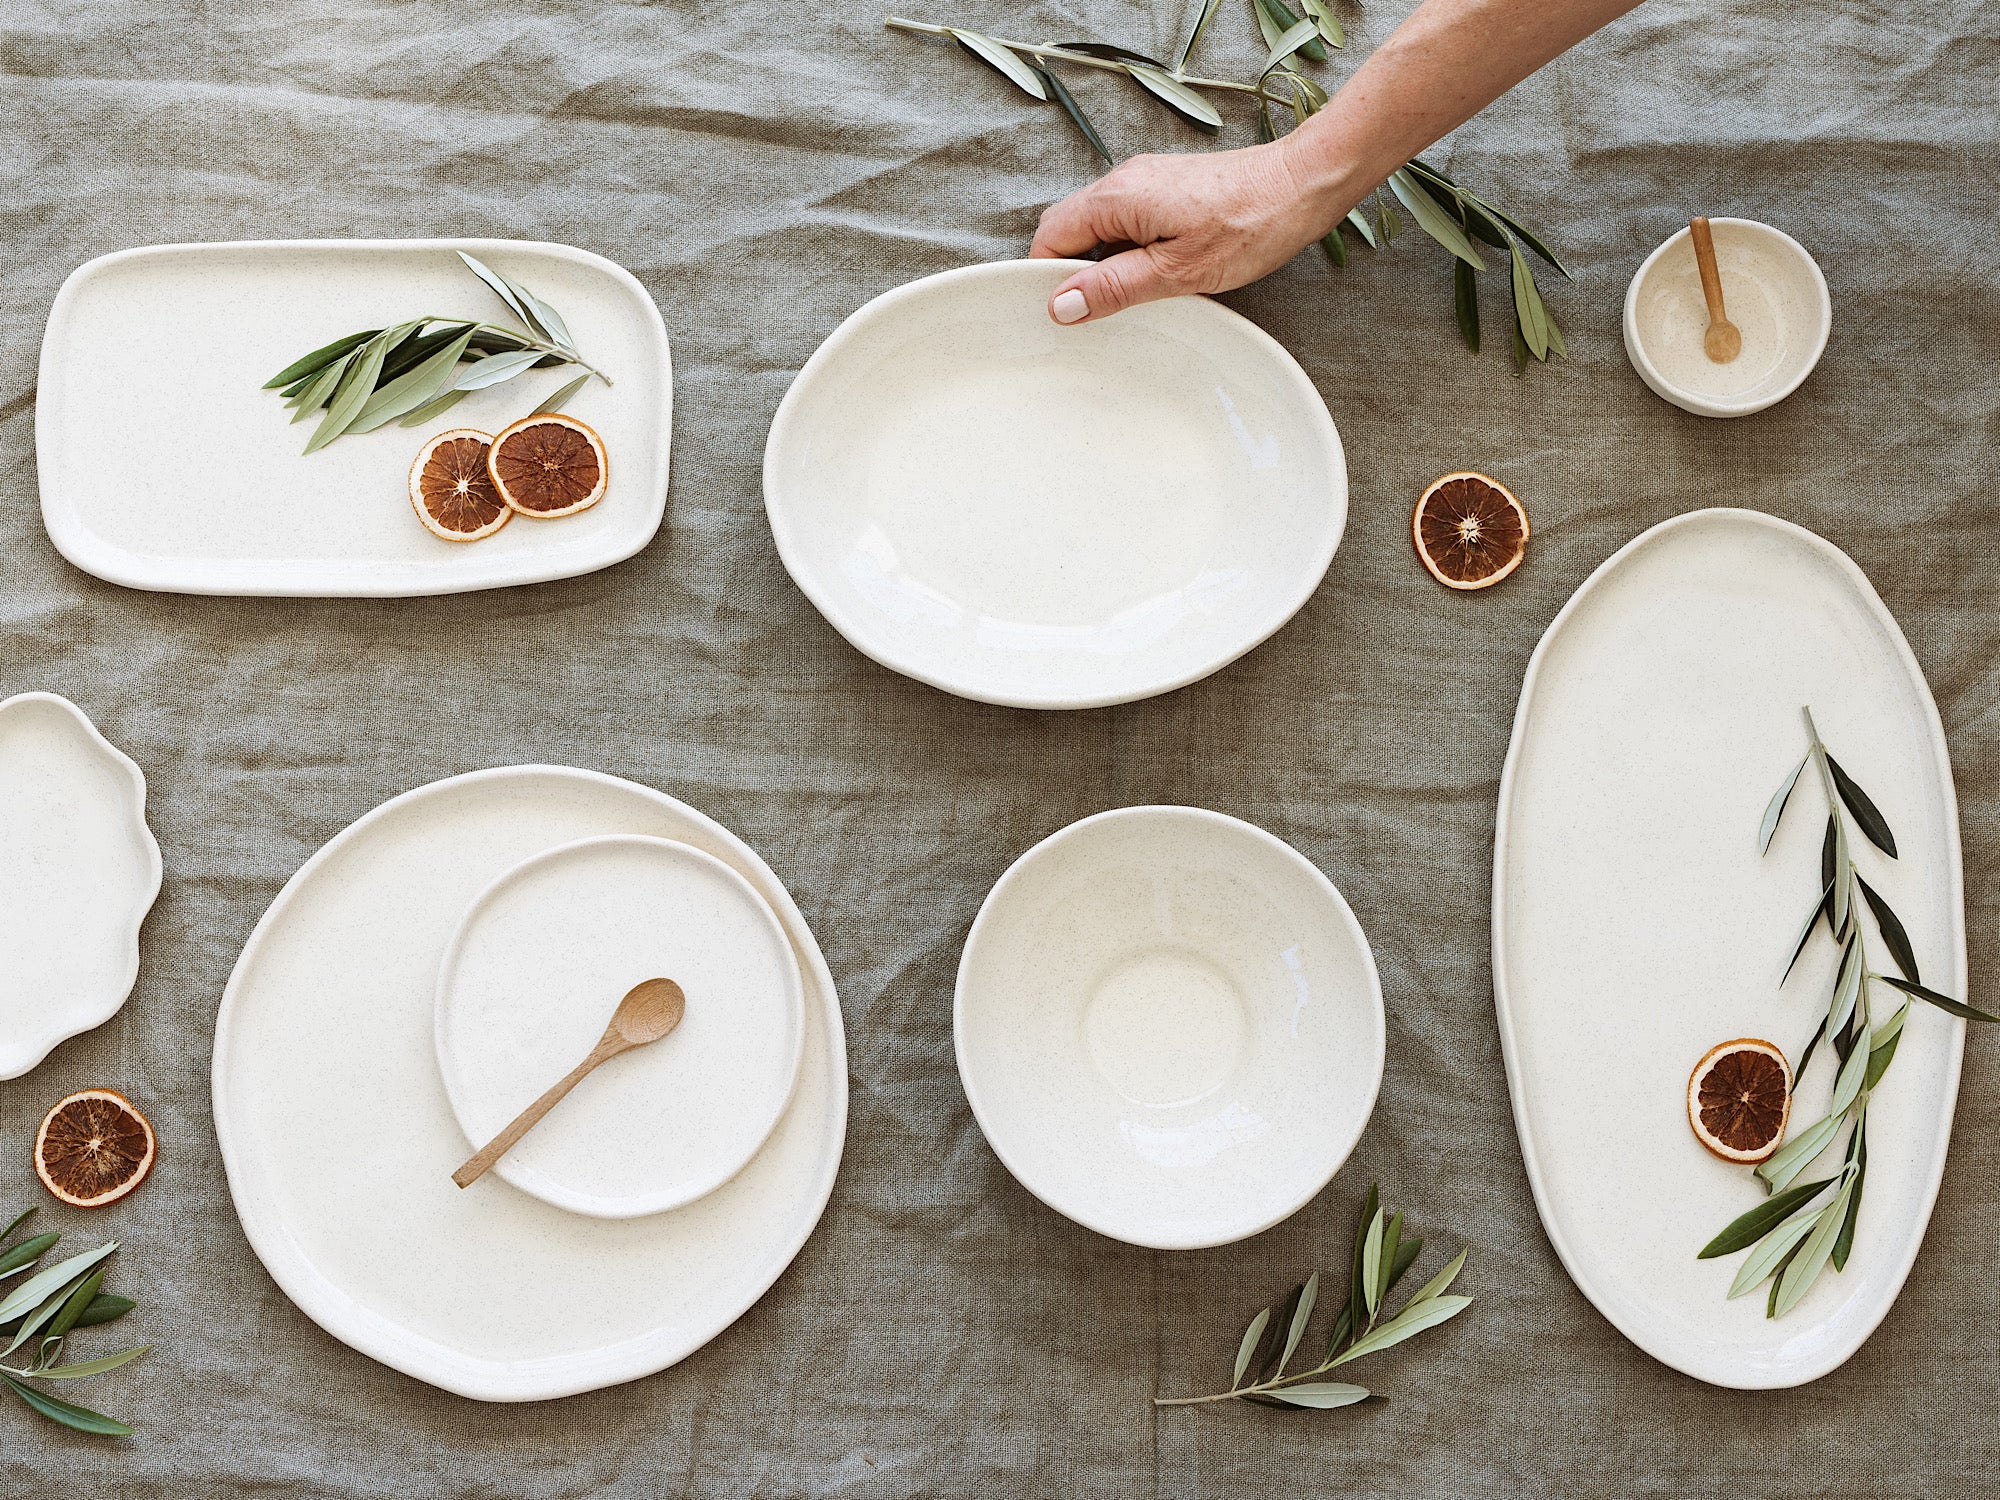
(1169, 1026)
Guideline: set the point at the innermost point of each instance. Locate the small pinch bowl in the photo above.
(1169, 1026)
(1789, 274)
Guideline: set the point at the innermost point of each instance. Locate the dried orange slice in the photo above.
(1739, 1097)
(451, 489)
(548, 465)
(1470, 531)
(94, 1148)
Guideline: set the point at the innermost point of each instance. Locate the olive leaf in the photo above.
(1799, 1154)
(1252, 1336)
(1061, 94)
(1843, 1244)
(1465, 303)
(1529, 314)
(417, 387)
(82, 1418)
(1893, 932)
(1812, 1254)
(1002, 60)
(319, 359)
(1866, 813)
(1322, 1394)
(1747, 1228)
(555, 401)
(1774, 1251)
(1776, 809)
(1432, 219)
(1943, 1002)
(25, 1254)
(1280, 19)
(1291, 41)
(1178, 97)
(1328, 23)
(493, 369)
(1201, 20)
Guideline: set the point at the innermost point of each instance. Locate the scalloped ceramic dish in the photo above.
(246, 512)
(1635, 926)
(79, 870)
(1052, 517)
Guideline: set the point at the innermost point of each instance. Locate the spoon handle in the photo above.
(482, 1160)
(1711, 275)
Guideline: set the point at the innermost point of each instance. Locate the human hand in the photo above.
(1196, 223)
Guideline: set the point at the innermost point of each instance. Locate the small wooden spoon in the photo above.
(1724, 340)
(650, 1010)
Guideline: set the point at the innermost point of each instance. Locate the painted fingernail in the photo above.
(1070, 307)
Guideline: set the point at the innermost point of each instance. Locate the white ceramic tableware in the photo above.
(535, 970)
(1635, 925)
(1169, 1026)
(339, 1141)
(1775, 295)
(180, 474)
(1052, 517)
(79, 870)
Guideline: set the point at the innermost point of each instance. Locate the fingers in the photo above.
(1111, 286)
(1120, 206)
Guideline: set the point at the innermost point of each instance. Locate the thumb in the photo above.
(1114, 284)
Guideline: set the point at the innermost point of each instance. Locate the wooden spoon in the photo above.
(1724, 340)
(650, 1010)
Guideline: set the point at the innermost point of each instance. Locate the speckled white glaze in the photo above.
(79, 870)
(1169, 1026)
(1635, 926)
(1052, 517)
(532, 976)
(188, 478)
(1773, 292)
(339, 1141)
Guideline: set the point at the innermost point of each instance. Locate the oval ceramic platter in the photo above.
(79, 870)
(1052, 517)
(179, 473)
(339, 1140)
(1635, 925)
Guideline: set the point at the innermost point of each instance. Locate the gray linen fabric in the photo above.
(765, 169)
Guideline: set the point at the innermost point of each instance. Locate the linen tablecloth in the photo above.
(765, 169)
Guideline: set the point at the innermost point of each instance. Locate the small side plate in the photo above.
(174, 471)
(79, 870)
(532, 976)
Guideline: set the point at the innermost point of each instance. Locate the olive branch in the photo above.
(1795, 1240)
(1381, 1256)
(369, 379)
(1457, 219)
(44, 1311)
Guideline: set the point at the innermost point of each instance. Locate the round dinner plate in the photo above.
(339, 1142)
(529, 983)
(1050, 517)
(1169, 1026)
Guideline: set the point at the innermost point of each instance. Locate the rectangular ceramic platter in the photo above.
(164, 466)
(1635, 926)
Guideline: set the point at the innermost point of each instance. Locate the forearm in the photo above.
(1443, 65)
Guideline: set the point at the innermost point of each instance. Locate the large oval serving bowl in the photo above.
(1635, 924)
(1169, 1026)
(1052, 517)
